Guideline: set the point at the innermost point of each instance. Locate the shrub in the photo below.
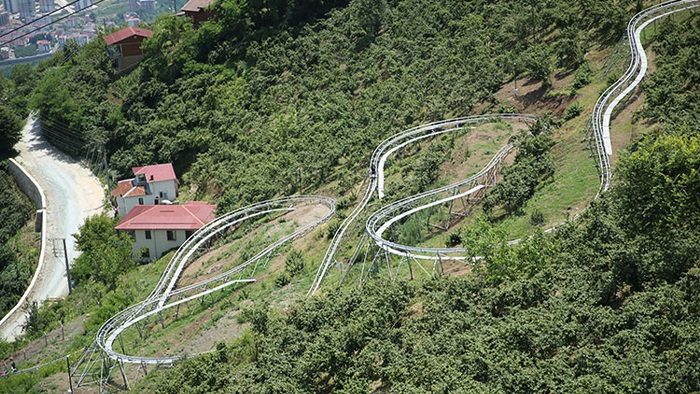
(573, 111)
(537, 217)
(583, 76)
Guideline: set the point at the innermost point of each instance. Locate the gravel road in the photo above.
(72, 194)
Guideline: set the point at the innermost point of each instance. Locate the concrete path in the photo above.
(72, 194)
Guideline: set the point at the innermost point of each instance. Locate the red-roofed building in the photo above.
(125, 46)
(159, 228)
(198, 11)
(151, 185)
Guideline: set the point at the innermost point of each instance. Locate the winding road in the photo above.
(72, 194)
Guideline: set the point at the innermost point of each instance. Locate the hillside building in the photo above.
(125, 46)
(43, 46)
(151, 185)
(198, 11)
(26, 9)
(157, 229)
(147, 5)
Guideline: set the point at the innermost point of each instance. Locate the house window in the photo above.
(188, 233)
(163, 194)
(140, 200)
(148, 234)
(145, 252)
(171, 235)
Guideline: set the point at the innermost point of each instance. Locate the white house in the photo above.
(158, 228)
(151, 185)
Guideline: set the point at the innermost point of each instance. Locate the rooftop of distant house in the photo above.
(153, 173)
(189, 216)
(197, 5)
(126, 188)
(156, 172)
(126, 33)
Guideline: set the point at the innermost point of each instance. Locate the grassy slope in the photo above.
(574, 185)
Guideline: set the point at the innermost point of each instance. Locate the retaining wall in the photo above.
(31, 188)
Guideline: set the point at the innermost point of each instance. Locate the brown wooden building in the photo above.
(125, 46)
(198, 11)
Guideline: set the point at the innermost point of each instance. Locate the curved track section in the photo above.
(166, 296)
(378, 161)
(613, 95)
(602, 114)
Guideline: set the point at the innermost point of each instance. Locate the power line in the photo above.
(38, 19)
(48, 24)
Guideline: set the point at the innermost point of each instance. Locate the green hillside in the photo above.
(280, 97)
(263, 103)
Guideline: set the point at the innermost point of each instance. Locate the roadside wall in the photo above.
(31, 188)
(27, 184)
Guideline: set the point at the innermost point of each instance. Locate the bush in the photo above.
(573, 110)
(453, 239)
(537, 217)
(583, 76)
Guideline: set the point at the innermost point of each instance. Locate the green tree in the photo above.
(10, 130)
(106, 253)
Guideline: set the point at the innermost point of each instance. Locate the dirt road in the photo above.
(72, 194)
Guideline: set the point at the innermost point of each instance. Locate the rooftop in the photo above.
(197, 5)
(126, 188)
(156, 173)
(128, 32)
(190, 216)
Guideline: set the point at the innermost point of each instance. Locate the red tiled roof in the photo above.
(159, 172)
(197, 5)
(126, 188)
(129, 32)
(190, 216)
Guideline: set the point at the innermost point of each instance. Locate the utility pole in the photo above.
(104, 157)
(65, 255)
(70, 381)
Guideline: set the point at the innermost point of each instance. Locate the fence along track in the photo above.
(600, 120)
(602, 114)
(161, 298)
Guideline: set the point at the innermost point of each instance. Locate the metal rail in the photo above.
(162, 296)
(378, 160)
(600, 120)
(613, 95)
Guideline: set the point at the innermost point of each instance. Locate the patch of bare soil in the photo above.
(532, 97)
(49, 347)
(213, 262)
(223, 329)
(456, 267)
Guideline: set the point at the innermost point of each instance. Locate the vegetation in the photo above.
(533, 165)
(106, 252)
(10, 124)
(17, 255)
(276, 98)
(601, 307)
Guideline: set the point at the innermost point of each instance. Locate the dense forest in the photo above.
(265, 102)
(610, 304)
(17, 256)
(278, 97)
